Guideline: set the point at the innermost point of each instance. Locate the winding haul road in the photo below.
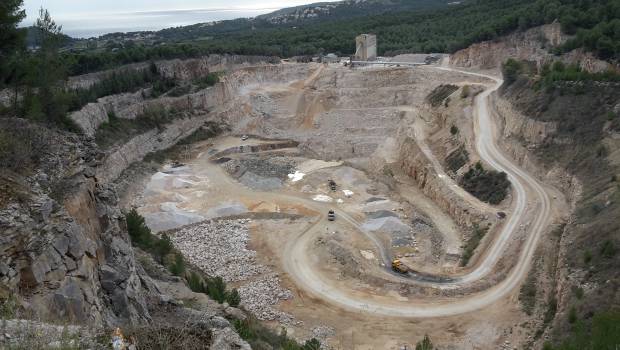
(527, 192)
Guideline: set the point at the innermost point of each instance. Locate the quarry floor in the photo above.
(345, 125)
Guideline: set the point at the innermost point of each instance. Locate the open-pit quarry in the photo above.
(251, 205)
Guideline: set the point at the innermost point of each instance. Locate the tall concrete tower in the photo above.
(366, 47)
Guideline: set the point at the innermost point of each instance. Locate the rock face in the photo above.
(130, 105)
(64, 249)
(531, 45)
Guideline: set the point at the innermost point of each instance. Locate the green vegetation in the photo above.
(608, 249)
(595, 23)
(527, 294)
(559, 72)
(465, 91)
(487, 185)
(424, 344)
(209, 80)
(511, 70)
(440, 93)
(601, 332)
(470, 247)
(11, 38)
(214, 287)
(457, 159)
(119, 129)
(261, 337)
(161, 248)
(126, 80)
(164, 253)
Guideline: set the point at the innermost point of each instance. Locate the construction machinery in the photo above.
(399, 267)
(331, 215)
(332, 185)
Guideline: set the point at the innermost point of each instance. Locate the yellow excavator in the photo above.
(399, 267)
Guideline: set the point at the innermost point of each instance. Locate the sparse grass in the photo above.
(211, 79)
(187, 337)
(440, 93)
(471, 245)
(578, 292)
(602, 333)
(8, 307)
(118, 130)
(527, 294)
(457, 159)
(261, 337)
(203, 133)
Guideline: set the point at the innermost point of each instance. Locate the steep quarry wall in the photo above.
(180, 69)
(531, 45)
(64, 252)
(521, 135)
(129, 106)
(213, 104)
(418, 167)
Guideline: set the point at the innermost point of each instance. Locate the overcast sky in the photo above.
(94, 17)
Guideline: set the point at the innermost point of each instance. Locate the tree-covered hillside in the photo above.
(595, 24)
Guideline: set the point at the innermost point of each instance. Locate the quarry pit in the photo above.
(251, 205)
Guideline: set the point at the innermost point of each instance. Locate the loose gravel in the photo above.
(219, 248)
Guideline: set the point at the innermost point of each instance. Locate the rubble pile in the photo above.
(219, 249)
(261, 294)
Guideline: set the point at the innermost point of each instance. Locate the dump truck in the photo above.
(399, 267)
(332, 185)
(331, 215)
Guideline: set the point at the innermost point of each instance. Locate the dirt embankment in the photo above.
(568, 138)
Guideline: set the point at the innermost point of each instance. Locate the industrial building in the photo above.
(366, 47)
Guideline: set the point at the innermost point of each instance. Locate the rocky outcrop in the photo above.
(64, 250)
(522, 135)
(179, 69)
(418, 167)
(131, 105)
(121, 157)
(531, 45)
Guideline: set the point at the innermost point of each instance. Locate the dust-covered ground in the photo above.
(236, 207)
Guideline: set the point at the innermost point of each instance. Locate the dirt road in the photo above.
(528, 192)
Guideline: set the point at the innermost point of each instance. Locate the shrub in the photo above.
(487, 185)
(216, 289)
(608, 250)
(233, 298)
(572, 315)
(578, 291)
(312, 344)
(424, 344)
(472, 243)
(261, 337)
(195, 283)
(139, 233)
(177, 267)
(457, 159)
(587, 256)
(527, 294)
(454, 130)
(511, 70)
(440, 93)
(465, 91)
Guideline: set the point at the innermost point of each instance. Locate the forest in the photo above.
(595, 25)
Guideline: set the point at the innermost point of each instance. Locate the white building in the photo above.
(366, 47)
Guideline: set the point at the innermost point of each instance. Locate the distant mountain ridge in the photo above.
(346, 9)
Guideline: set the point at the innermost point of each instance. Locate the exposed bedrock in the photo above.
(532, 45)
